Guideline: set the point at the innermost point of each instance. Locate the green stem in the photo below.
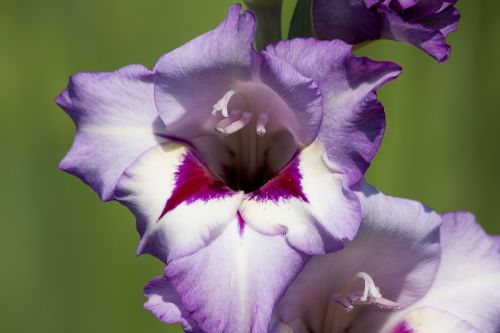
(301, 24)
(268, 14)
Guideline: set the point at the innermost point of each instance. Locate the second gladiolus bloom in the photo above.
(422, 23)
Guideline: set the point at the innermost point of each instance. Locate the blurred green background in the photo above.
(68, 262)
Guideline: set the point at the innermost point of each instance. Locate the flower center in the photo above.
(252, 143)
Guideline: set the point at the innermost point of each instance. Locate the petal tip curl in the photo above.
(115, 120)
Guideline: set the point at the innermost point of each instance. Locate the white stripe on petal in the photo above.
(147, 186)
(310, 204)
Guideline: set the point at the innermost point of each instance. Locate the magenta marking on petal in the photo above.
(285, 185)
(241, 224)
(402, 327)
(193, 182)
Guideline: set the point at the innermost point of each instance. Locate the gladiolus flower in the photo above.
(236, 163)
(409, 270)
(422, 23)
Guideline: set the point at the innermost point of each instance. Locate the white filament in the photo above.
(371, 290)
(232, 126)
(233, 116)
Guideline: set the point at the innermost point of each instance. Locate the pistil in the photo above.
(348, 299)
(371, 294)
(221, 105)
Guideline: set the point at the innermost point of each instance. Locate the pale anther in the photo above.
(221, 105)
(261, 124)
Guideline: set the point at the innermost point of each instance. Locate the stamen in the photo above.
(221, 105)
(371, 295)
(261, 124)
(234, 115)
(229, 126)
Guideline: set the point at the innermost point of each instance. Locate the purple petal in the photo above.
(424, 37)
(314, 222)
(401, 5)
(354, 121)
(463, 296)
(221, 70)
(232, 284)
(445, 21)
(166, 305)
(397, 245)
(301, 94)
(116, 121)
(466, 285)
(422, 23)
(426, 8)
(193, 77)
(348, 20)
(179, 206)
